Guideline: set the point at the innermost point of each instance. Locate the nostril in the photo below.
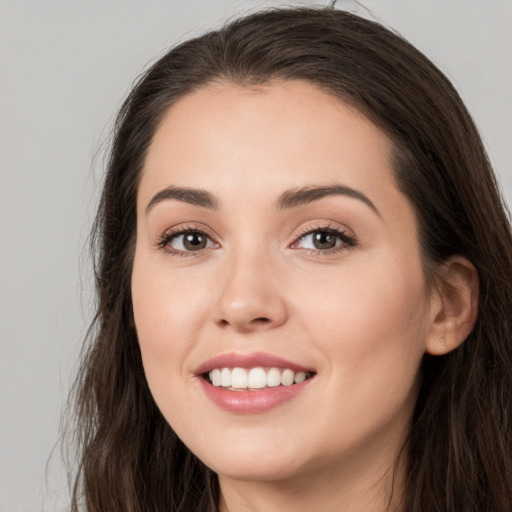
(261, 320)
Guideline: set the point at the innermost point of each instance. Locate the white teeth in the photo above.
(273, 378)
(287, 377)
(225, 377)
(255, 378)
(239, 378)
(215, 377)
(300, 377)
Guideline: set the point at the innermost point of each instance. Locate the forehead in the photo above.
(231, 140)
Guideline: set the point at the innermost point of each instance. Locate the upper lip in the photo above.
(255, 359)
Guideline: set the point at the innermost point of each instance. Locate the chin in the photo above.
(253, 464)
(256, 471)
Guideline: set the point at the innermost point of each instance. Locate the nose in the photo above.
(251, 298)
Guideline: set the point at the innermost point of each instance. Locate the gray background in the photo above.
(64, 68)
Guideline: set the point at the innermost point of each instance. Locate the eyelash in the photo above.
(348, 241)
(169, 236)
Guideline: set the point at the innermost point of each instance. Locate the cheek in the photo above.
(370, 322)
(168, 314)
(167, 311)
(369, 332)
(371, 300)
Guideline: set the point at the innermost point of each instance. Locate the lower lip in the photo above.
(252, 402)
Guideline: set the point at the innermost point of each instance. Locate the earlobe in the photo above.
(454, 307)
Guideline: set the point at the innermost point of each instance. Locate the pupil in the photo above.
(323, 240)
(194, 241)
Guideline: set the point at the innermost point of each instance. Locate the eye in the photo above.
(324, 239)
(191, 240)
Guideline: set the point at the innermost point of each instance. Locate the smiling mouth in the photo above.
(254, 379)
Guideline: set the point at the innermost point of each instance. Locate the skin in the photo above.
(361, 316)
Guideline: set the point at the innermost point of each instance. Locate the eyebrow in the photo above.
(288, 199)
(196, 197)
(305, 195)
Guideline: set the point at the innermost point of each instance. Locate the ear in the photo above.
(454, 305)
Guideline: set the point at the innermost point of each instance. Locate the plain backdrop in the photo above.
(65, 66)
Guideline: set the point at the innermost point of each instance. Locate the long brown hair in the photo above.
(460, 444)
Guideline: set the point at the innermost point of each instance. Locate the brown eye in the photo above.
(324, 240)
(194, 241)
(187, 241)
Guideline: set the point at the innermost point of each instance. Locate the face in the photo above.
(271, 238)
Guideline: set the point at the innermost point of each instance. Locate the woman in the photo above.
(304, 283)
